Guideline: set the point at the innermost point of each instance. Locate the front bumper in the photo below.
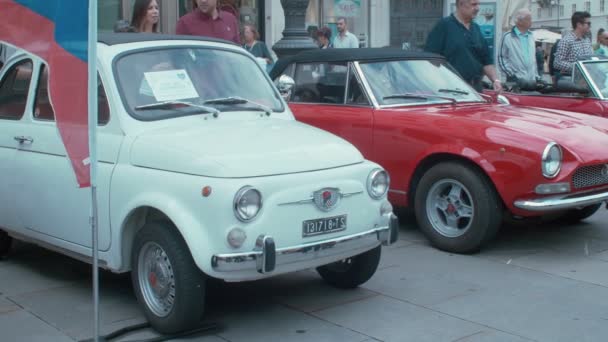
(265, 257)
(568, 201)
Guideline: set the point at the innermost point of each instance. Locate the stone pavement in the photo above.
(533, 283)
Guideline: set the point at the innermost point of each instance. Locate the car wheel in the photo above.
(457, 208)
(5, 243)
(575, 215)
(167, 282)
(352, 272)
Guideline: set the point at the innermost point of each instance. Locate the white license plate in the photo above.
(323, 226)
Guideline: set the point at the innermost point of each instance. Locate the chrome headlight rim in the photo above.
(237, 198)
(370, 180)
(545, 156)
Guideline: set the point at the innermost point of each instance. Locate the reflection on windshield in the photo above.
(598, 71)
(190, 75)
(433, 81)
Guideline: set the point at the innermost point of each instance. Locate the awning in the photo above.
(546, 36)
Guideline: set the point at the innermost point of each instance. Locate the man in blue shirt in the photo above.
(460, 41)
(517, 58)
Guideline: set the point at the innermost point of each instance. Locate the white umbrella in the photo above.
(545, 36)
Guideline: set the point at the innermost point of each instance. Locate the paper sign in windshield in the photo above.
(170, 85)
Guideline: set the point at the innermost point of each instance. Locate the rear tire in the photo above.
(5, 244)
(352, 272)
(168, 284)
(457, 207)
(576, 215)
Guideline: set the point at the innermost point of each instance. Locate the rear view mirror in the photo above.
(285, 84)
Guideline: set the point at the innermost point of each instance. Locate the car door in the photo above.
(49, 201)
(14, 87)
(329, 96)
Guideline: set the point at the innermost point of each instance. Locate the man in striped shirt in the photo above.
(574, 45)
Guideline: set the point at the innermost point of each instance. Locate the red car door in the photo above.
(322, 99)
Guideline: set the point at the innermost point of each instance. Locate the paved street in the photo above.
(534, 283)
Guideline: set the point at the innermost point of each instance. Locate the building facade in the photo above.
(556, 14)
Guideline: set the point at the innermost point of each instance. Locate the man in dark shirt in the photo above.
(208, 20)
(460, 41)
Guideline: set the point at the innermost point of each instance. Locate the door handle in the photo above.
(23, 139)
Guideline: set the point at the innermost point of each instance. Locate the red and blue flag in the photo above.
(57, 32)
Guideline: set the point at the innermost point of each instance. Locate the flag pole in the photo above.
(92, 126)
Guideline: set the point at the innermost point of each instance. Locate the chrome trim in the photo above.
(371, 177)
(398, 192)
(312, 198)
(563, 201)
(238, 196)
(234, 262)
(366, 85)
(544, 156)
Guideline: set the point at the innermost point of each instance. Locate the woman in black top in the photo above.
(253, 45)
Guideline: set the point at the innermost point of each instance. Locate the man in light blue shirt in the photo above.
(517, 58)
(345, 39)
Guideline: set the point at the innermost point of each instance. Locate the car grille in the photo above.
(587, 176)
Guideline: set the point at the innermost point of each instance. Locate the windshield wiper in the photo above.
(419, 96)
(454, 91)
(168, 104)
(238, 100)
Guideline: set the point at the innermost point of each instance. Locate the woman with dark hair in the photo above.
(145, 16)
(324, 37)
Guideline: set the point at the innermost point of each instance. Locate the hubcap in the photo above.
(449, 207)
(156, 279)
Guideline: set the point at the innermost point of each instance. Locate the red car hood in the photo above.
(586, 136)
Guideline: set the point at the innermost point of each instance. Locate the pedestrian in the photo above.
(256, 47)
(324, 37)
(540, 59)
(458, 38)
(206, 19)
(597, 39)
(574, 45)
(345, 39)
(145, 16)
(602, 48)
(517, 58)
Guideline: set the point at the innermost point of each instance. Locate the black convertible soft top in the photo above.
(345, 55)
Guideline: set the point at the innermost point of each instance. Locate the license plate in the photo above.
(323, 226)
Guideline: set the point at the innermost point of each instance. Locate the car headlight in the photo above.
(378, 182)
(247, 203)
(552, 160)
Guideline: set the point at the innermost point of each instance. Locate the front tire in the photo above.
(457, 207)
(576, 215)
(167, 282)
(352, 272)
(5, 243)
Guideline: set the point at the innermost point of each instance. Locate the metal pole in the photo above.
(92, 126)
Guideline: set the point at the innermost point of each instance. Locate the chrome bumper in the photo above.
(568, 201)
(265, 257)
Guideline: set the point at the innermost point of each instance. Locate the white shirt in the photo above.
(348, 41)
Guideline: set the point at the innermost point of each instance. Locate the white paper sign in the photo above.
(171, 85)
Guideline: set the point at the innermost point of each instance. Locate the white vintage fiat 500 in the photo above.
(203, 172)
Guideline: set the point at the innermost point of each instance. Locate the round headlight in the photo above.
(378, 183)
(552, 160)
(247, 203)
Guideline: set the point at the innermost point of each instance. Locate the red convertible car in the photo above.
(461, 160)
(586, 91)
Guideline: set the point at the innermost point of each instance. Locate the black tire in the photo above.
(477, 192)
(176, 264)
(576, 215)
(352, 272)
(5, 244)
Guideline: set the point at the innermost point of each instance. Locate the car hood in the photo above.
(582, 134)
(241, 148)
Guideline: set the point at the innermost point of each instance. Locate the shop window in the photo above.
(14, 89)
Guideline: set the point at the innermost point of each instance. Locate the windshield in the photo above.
(166, 83)
(416, 82)
(598, 72)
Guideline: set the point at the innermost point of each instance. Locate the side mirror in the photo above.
(567, 86)
(285, 84)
